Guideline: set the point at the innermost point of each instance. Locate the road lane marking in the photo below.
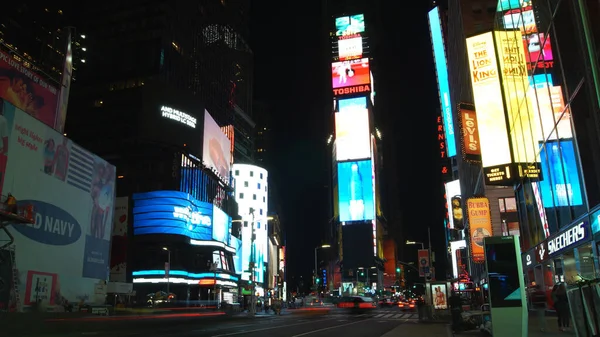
(269, 328)
(388, 316)
(378, 315)
(328, 328)
(396, 316)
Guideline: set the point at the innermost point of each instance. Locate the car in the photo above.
(406, 305)
(357, 304)
(387, 302)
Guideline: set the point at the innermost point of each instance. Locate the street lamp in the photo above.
(317, 248)
(408, 242)
(168, 272)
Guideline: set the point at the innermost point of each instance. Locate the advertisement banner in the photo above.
(355, 191)
(485, 80)
(26, 90)
(352, 104)
(423, 263)
(480, 225)
(350, 25)
(350, 47)
(72, 194)
(452, 190)
(118, 251)
(441, 69)
(350, 73)
(439, 296)
(237, 258)
(221, 226)
(562, 186)
(515, 82)
(65, 88)
(471, 145)
(352, 136)
(216, 153)
(550, 110)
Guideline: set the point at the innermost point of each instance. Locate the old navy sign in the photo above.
(568, 238)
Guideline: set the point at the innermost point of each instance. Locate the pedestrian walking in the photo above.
(561, 304)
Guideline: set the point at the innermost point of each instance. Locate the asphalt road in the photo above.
(296, 324)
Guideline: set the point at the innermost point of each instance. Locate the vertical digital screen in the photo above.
(350, 73)
(561, 185)
(352, 136)
(348, 25)
(439, 55)
(355, 191)
(503, 273)
(358, 103)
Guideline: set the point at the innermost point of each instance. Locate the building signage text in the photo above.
(179, 116)
(567, 238)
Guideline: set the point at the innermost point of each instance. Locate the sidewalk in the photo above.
(534, 329)
(429, 330)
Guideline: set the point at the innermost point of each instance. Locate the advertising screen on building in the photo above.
(522, 20)
(172, 213)
(216, 153)
(439, 56)
(118, 250)
(480, 225)
(348, 104)
(452, 190)
(550, 111)
(513, 72)
(352, 137)
(72, 194)
(485, 80)
(504, 5)
(350, 48)
(349, 25)
(471, 145)
(237, 258)
(27, 91)
(350, 73)
(355, 191)
(221, 226)
(561, 185)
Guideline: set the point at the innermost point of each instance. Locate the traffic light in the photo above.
(362, 273)
(398, 270)
(318, 280)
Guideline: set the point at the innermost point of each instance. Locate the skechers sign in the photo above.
(172, 212)
(568, 238)
(52, 226)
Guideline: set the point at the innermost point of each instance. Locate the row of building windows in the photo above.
(237, 174)
(241, 196)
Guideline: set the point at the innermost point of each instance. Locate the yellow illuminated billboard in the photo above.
(352, 137)
(515, 82)
(485, 80)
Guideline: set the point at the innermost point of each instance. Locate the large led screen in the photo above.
(237, 259)
(485, 80)
(452, 190)
(350, 48)
(550, 108)
(439, 55)
(172, 212)
(353, 140)
(355, 190)
(221, 226)
(216, 148)
(349, 25)
(358, 103)
(522, 20)
(350, 73)
(513, 71)
(561, 185)
(538, 47)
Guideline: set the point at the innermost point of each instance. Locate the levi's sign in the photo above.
(568, 238)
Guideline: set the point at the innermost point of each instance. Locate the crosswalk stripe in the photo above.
(396, 316)
(378, 315)
(388, 315)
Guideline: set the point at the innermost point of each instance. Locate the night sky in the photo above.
(292, 76)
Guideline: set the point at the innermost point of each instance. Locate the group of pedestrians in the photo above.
(539, 303)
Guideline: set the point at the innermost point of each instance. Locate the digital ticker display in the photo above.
(355, 191)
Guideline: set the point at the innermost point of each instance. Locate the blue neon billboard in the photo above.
(178, 213)
(439, 55)
(561, 185)
(355, 191)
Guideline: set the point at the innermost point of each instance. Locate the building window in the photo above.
(252, 173)
(261, 176)
(253, 196)
(245, 223)
(259, 186)
(245, 184)
(237, 172)
(264, 199)
(261, 211)
(241, 195)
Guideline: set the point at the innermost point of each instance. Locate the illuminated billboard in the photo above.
(485, 80)
(471, 146)
(538, 47)
(350, 25)
(515, 82)
(216, 154)
(358, 103)
(504, 5)
(452, 190)
(522, 20)
(352, 137)
(561, 185)
(550, 111)
(439, 55)
(350, 73)
(480, 225)
(350, 48)
(355, 191)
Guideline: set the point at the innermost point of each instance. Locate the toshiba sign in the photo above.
(356, 89)
(568, 238)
